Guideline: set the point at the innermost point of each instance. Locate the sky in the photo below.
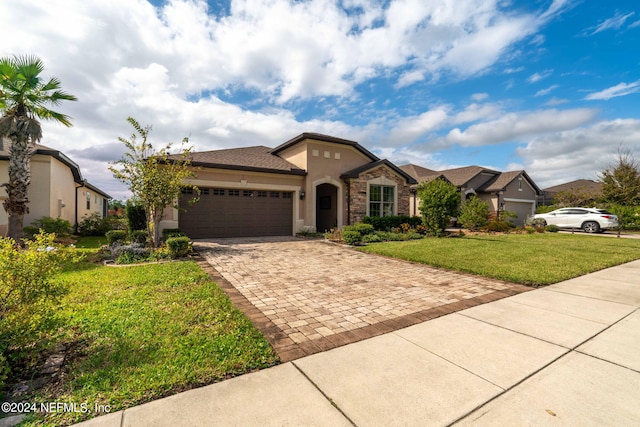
(548, 86)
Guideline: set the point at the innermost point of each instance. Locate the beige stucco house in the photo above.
(311, 182)
(57, 188)
(512, 191)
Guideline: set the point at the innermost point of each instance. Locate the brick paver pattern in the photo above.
(312, 289)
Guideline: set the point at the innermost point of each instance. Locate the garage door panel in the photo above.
(237, 213)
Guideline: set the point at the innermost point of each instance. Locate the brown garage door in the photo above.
(237, 213)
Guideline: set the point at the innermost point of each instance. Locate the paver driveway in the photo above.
(308, 295)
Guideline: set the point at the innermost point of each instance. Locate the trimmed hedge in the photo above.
(178, 246)
(387, 223)
(116, 236)
(168, 233)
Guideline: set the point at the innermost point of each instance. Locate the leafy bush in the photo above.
(116, 236)
(499, 226)
(94, 225)
(628, 216)
(28, 297)
(359, 227)
(351, 237)
(474, 213)
(412, 235)
(127, 254)
(178, 246)
(389, 236)
(371, 238)
(168, 233)
(61, 227)
(439, 201)
(136, 216)
(386, 223)
(552, 228)
(333, 235)
(139, 236)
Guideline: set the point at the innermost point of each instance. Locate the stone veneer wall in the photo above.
(359, 192)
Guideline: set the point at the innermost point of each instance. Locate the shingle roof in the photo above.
(354, 173)
(460, 176)
(258, 158)
(419, 173)
(579, 184)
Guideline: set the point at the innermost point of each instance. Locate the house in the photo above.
(57, 188)
(511, 191)
(311, 182)
(586, 190)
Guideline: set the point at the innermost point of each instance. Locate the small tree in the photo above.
(439, 201)
(154, 178)
(621, 181)
(474, 213)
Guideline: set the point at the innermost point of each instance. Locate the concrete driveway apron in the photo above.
(308, 296)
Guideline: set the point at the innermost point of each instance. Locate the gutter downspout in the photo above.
(75, 208)
(348, 202)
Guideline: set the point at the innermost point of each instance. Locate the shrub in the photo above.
(474, 213)
(127, 254)
(93, 225)
(116, 236)
(136, 216)
(333, 235)
(628, 216)
(178, 246)
(28, 297)
(360, 227)
(412, 235)
(552, 228)
(351, 237)
(168, 233)
(439, 201)
(61, 227)
(371, 238)
(386, 223)
(499, 226)
(139, 236)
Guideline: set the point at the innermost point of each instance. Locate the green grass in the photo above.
(531, 259)
(91, 242)
(140, 333)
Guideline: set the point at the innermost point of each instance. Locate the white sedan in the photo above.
(591, 220)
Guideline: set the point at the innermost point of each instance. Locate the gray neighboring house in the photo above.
(512, 191)
(581, 186)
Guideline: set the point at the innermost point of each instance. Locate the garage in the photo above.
(223, 212)
(523, 208)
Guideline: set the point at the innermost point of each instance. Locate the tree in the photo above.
(155, 178)
(439, 201)
(24, 98)
(621, 181)
(474, 213)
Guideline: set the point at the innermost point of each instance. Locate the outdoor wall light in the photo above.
(302, 193)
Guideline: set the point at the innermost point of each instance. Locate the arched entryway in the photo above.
(326, 207)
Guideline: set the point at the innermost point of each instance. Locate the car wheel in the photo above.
(591, 227)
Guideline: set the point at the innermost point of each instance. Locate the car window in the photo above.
(604, 211)
(578, 211)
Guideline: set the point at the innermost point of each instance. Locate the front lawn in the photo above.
(134, 334)
(531, 259)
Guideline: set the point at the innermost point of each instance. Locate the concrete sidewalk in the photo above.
(567, 354)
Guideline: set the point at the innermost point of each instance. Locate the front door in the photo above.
(326, 207)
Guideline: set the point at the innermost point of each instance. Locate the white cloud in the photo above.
(583, 152)
(556, 101)
(536, 77)
(613, 23)
(479, 96)
(547, 90)
(519, 125)
(621, 89)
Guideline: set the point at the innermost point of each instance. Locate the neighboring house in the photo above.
(57, 188)
(504, 191)
(585, 189)
(311, 182)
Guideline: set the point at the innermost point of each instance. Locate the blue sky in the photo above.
(551, 87)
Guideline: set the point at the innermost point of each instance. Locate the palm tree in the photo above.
(24, 98)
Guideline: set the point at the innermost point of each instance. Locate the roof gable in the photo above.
(579, 184)
(419, 173)
(354, 173)
(258, 158)
(460, 176)
(501, 181)
(324, 138)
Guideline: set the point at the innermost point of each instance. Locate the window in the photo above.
(234, 192)
(381, 199)
(247, 193)
(88, 200)
(275, 194)
(287, 195)
(205, 191)
(262, 194)
(218, 192)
